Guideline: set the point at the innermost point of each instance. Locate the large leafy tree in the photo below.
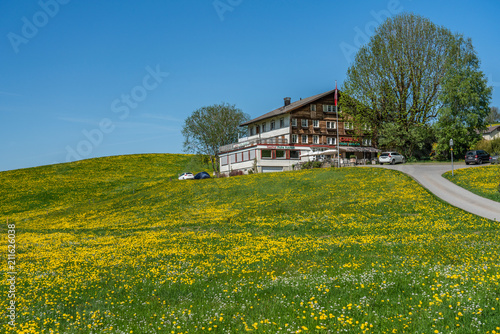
(211, 127)
(465, 98)
(398, 78)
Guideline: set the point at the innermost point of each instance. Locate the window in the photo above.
(367, 127)
(282, 123)
(295, 139)
(316, 123)
(315, 139)
(349, 125)
(251, 131)
(223, 160)
(280, 154)
(273, 125)
(331, 125)
(294, 122)
(313, 107)
(367, 142)
(331, 141)
(328, 108)
(304, 123)
(304, 139)
(266, 154)
(294, 154)
(263, 127)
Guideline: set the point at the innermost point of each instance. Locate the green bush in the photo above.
(311, 164)
(489, 146)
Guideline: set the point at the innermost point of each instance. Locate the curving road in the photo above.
(429, 176)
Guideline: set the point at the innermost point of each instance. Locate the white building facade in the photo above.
(285, 137)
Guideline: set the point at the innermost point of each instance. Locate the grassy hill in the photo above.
(484, 181)
(114, 245)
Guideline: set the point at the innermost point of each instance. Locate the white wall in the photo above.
(284, 131)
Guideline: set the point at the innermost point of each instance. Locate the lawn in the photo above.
(114, 245)
(483, 181)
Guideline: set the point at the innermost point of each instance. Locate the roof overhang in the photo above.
(286, 109)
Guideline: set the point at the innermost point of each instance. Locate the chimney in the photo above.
(287, 101)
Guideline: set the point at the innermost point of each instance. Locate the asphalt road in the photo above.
(429, 176)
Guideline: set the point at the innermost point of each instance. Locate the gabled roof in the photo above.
(491, 128)
(290, 107)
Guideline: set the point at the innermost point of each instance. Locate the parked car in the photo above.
(477, 157)
(494, 158)
(186, 176)
(391, 158)
(202, 175)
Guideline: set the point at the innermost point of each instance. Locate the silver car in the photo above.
(494, 158)
(391, 158)
(186, 176)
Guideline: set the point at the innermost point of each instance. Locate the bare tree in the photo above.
(494, 116)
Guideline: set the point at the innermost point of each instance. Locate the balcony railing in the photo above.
(243, 143)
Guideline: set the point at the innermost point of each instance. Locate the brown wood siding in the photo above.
(323, 132)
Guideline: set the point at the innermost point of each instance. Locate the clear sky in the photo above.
(82, 79)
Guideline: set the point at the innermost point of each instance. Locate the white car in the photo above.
(186, 176)
(391, 158)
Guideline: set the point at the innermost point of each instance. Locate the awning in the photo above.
(326, 152)
(359, 149)
(329, 152)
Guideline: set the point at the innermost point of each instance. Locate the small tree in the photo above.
(210, 127)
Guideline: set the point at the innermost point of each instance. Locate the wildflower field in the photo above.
(112, 245)
(483, 181)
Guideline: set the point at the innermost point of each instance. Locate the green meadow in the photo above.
(119, 245)
(484, 181)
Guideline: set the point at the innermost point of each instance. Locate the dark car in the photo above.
(477, 157)
(494, 158)
(202, 175)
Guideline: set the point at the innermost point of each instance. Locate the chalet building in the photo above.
(293, 133)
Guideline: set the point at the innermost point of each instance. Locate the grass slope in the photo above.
(483, 181)
(112, 245)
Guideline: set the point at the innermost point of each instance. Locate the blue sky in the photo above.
(83, 79)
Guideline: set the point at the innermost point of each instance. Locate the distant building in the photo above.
(492, 132)
(284, 137)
